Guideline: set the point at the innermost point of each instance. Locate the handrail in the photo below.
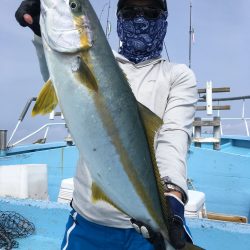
(203, 99)
(22, 116)
(48, 125)
(26, 108)
(36, 131)
(243, 116)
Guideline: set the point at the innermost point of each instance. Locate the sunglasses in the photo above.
(147, 12)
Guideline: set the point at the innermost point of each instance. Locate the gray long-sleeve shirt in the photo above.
(167, 89)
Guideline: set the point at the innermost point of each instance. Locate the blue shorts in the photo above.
(82, 234)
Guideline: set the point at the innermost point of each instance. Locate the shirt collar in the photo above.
(120, 58)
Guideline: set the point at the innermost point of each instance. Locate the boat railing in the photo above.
(243, 117)
(45, 127)
(206, 98)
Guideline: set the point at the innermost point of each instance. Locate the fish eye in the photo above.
(74, 5)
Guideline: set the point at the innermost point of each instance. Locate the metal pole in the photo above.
(107, 33)
(104, 6)
(45, 134)
(3, 142)
(218, 115)
(190, 37)
(166, 51)
(197, 132)
(38, 130)
(243, 117)
(23, 114)
(217, 134)
(246, 127)
(209, 97)
(14, 131)
(243, 109)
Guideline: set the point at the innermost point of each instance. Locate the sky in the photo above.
(220, 53)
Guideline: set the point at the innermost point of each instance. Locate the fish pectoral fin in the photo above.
(46, 100)
(99, 195)
(86, 76)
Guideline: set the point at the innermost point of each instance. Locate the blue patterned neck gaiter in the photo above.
(141, 38)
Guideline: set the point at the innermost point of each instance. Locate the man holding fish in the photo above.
(167, 89)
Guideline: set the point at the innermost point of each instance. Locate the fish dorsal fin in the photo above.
(99, 195)
(85, 75)
(46, 100)
(152, 124)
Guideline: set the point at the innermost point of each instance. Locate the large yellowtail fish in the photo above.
(110, 129)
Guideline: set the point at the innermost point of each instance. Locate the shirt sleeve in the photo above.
(37, 41)
(174, 137)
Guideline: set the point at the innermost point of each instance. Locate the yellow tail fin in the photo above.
(46, 100)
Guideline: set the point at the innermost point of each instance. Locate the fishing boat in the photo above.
(36, 181)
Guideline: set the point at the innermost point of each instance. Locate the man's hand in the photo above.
(155, 238)
(28, 14)
(28, 19)
(178, 231)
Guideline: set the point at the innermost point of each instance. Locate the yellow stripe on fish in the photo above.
(81, 24)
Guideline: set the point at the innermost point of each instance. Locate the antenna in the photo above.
(108, 24)
(190, 35)
(165, 46)
(103, 8)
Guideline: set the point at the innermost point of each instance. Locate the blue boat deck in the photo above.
(50, 220)
(224, 176)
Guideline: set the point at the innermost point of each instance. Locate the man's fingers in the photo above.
(156, 239)
(28, 19)
(26, 13)
(139, 227)
(145, 233)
